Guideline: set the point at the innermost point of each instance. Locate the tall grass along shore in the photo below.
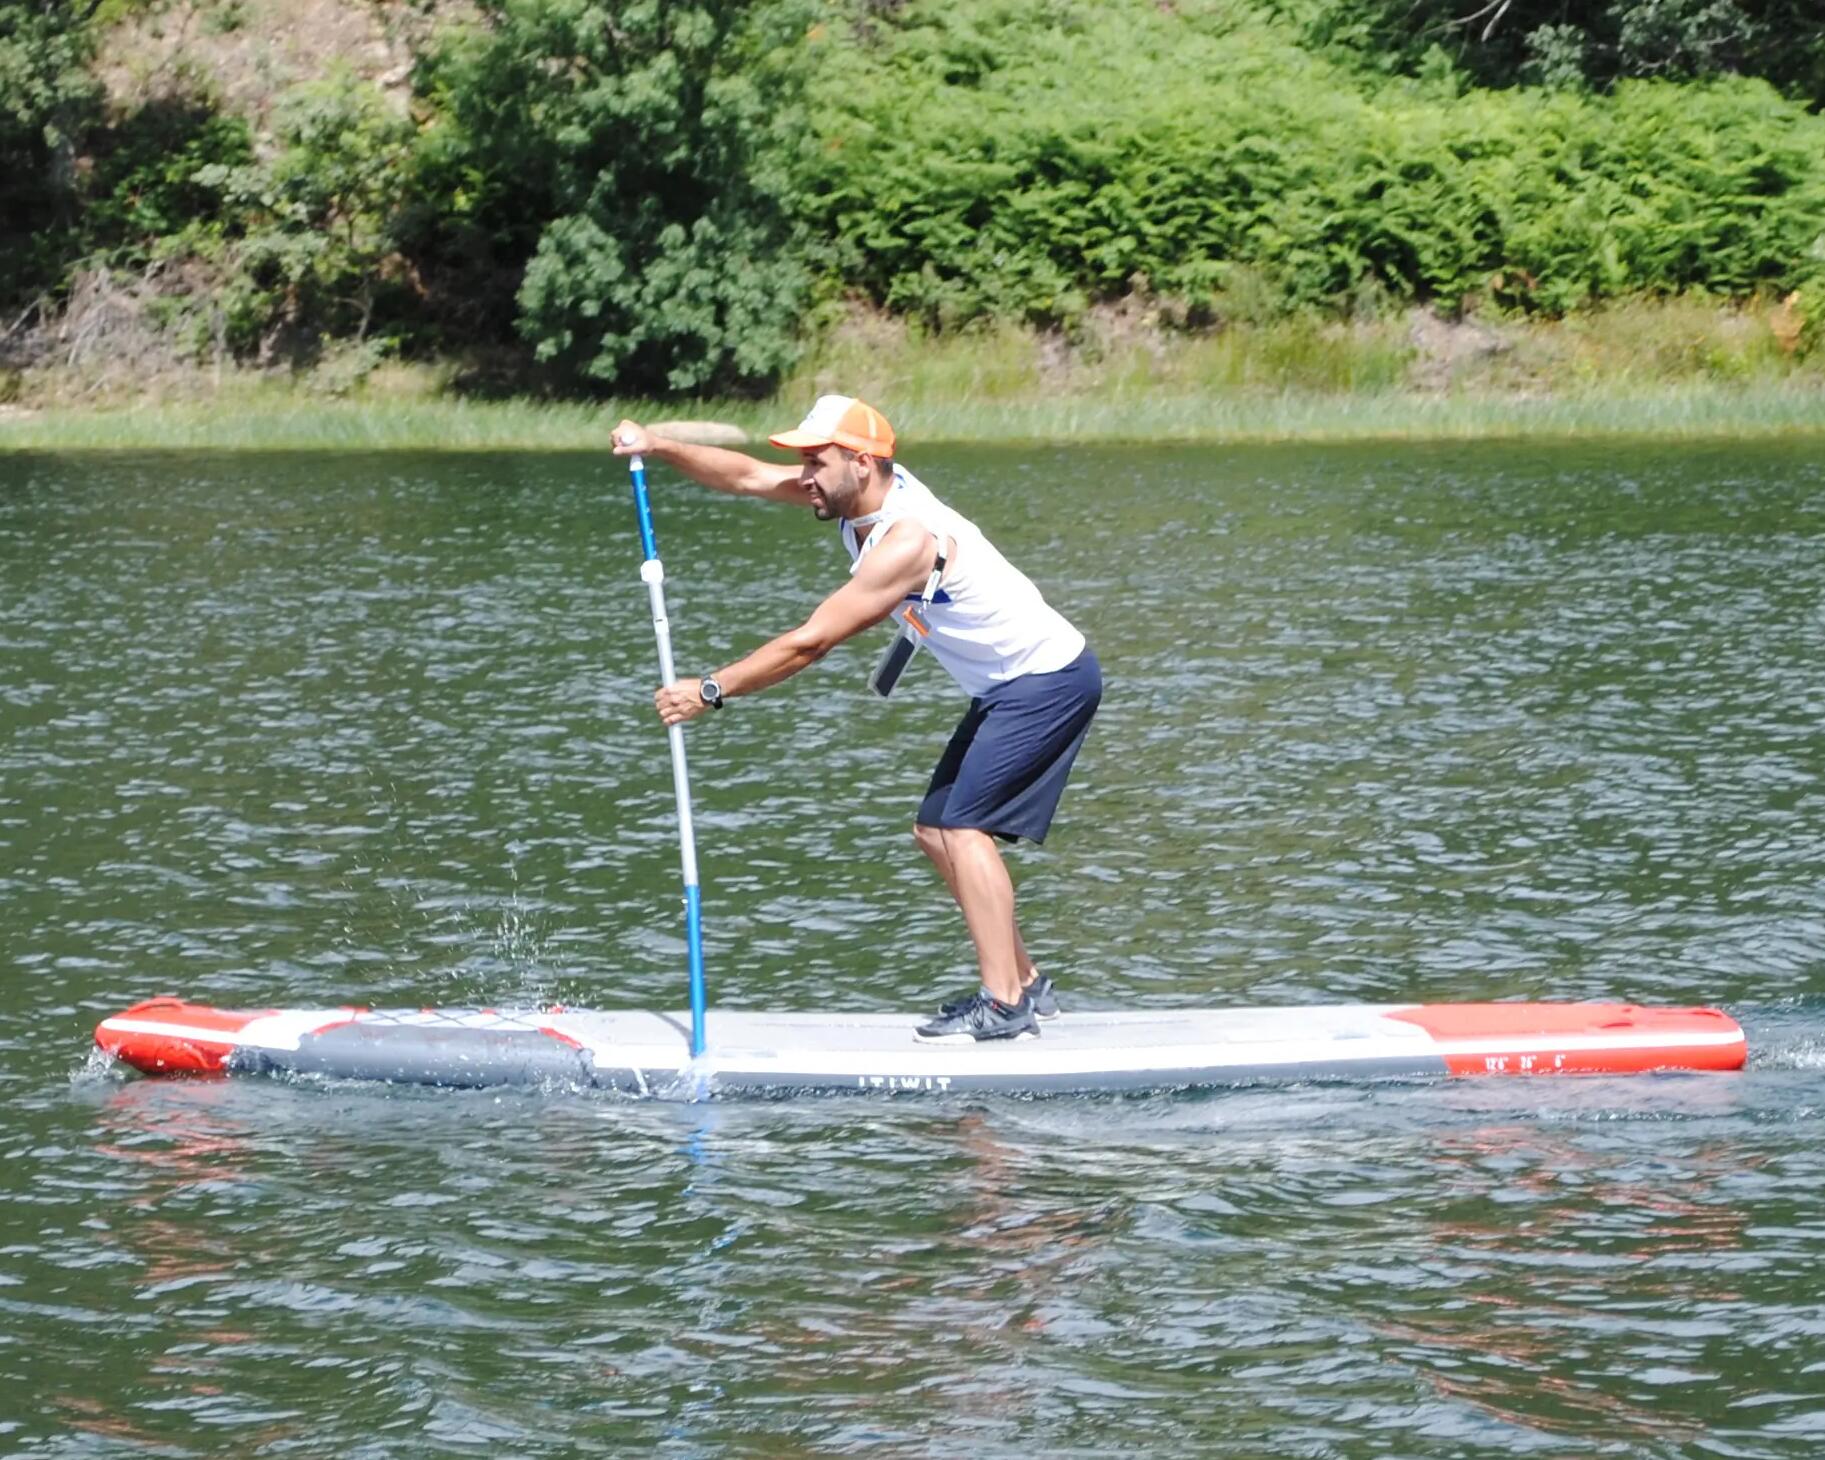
(1681, 369)
(1685, 413)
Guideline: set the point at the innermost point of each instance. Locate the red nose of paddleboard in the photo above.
(170, 1037)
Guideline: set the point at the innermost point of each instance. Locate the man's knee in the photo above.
(930, 840)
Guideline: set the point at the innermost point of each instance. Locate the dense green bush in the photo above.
(629, 156)
(146, 186)
(1551, 42)
(48, 101)
(1221, 166)
(309, 231)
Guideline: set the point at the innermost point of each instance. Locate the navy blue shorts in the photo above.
(1005, 768)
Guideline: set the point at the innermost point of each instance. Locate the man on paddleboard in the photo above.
(1033, 682)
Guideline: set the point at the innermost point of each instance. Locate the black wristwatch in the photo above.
(711, 691)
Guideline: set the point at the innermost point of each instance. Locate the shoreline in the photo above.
(1684, 369)
(295, 420)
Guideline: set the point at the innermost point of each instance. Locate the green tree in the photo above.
(620, 164)
(48, 100)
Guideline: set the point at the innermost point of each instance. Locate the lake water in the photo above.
(1382, 724)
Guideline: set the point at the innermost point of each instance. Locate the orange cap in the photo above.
(840, 420)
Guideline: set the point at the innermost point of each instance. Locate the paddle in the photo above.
(652, 573)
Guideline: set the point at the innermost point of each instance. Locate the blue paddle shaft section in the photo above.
(693, 932)
(637, 470)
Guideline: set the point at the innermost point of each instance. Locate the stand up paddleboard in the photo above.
(753, 1053)
(766, 1053)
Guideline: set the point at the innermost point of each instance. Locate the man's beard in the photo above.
(836, 503)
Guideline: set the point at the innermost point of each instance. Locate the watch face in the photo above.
(710, 690)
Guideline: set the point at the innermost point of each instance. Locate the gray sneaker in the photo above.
(1040, 992)
(981, 1018)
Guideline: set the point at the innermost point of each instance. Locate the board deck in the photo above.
(761, 1053)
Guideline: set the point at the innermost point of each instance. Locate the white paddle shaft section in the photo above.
(652, 573)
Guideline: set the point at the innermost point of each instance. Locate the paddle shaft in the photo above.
(652, 573)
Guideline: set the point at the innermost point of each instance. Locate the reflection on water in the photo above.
(1381, 725)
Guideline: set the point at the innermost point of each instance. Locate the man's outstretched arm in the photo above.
(898, 565)
(733, 472)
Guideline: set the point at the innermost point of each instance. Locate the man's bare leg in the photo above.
(985, 892)
(931, 842)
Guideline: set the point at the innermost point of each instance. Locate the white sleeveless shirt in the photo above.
(987, 623)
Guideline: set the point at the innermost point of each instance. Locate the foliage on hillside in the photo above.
(1236, 172)
(666, 195)
(1553, 43)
